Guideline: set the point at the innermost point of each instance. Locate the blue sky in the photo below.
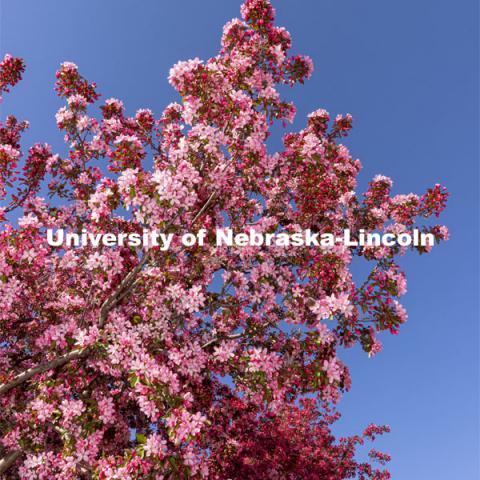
(408, 72)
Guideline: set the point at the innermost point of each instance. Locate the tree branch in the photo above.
(124, 286)
(9, 460)
(55, 363)
(228, 337)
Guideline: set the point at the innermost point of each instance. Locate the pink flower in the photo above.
(71, 409)
(106, 410)
(8, 153)
(325, 336)
(400, 311)
(114, 103)
(261, 360)
(69, 67)
(444, 232)
(44, 410)
(155, 446)
(63, 117)
(383, 179)
(332, 369)
(29, 220)
(333, 304)
(77, 102)
(182, 72)
(225, 351)
(182, 424)
(375, 348)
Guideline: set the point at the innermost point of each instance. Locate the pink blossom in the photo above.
(183, 424)
(400, 311)
(261, 360)
(106, 410)
(71, 409)
(183, 72)
(225, 351)
(77, 102)
(44, 410)
(332, 369)
(155, 446)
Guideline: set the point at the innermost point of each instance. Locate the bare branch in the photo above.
(205, 206)
(228, 337)
(9, 460)
(55, 363)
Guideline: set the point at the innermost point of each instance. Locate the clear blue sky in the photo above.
(408, 72)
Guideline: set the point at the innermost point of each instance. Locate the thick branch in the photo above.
(55, 363)
(9, 460)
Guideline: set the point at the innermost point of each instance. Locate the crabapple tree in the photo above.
(194, 362)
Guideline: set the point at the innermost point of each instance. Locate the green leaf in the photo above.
(134, 380)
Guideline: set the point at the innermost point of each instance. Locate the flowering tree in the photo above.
(202, 361)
